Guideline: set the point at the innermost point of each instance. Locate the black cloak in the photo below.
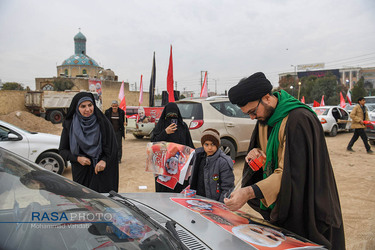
(180, 136)
(106, 180)
(308, 202)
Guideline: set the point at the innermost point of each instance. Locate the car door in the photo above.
(14, 141)
(238, 124)
(345, 118)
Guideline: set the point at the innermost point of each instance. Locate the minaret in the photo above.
(79, 43)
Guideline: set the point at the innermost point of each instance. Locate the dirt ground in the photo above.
(354, 172)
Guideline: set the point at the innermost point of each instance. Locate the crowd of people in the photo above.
(293, 188)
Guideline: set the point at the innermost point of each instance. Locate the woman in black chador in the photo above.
(88, 142)
(171, 128)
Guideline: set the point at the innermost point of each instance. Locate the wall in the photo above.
(110, 90)
(12, 100)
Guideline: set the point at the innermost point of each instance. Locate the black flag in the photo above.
(152, 85)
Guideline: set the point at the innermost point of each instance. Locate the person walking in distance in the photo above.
(359, 114)
(117, 118)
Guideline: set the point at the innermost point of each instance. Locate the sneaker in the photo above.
(350, 149)
(370, 151)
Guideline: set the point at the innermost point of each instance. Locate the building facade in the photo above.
(346, 76)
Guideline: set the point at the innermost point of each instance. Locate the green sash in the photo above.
(286, 104)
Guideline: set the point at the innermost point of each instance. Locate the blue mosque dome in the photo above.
(80, 57)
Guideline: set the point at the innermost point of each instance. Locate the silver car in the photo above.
(218, 112)
(42, 210)
(333, 119)
(40, 148)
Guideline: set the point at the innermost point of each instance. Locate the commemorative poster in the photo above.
(243, 226)
(170, 161)
(96, 86)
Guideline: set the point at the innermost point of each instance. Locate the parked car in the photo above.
(218, 112)
(333, 119)
(370, 131)
(349, 107)
(42, 210)
(40, 148)
(370, 99)
(138, 128)
(371, 111)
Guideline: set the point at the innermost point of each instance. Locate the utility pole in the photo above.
(135, 86)
(175, 85)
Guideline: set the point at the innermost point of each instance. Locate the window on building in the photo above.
(84, 72)
(66, 72)
(47, 87)
(346, 74)
(354, 73)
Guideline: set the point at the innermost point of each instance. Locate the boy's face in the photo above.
(209, 148)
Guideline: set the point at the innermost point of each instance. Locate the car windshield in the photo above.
(43, 210)
(321, 111)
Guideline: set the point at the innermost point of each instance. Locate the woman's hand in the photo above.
(84, 161)
(100, 166)
(253, 154)
(171, 128)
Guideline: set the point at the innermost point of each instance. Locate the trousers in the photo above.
(359, 132)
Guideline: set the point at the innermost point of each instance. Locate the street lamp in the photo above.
(291, 87)
(299, 88)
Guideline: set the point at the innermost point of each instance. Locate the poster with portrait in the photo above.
(96, 86)
(251, 230)
(171, 161)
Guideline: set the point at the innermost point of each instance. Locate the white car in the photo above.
(333, 119)
(371, 111)
(40, 148)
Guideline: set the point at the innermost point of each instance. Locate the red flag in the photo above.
(170, 80)
(322, 101)
(123, 104)
(342, 101)
(316, 104)
(349, 96)
(141, 92)
(303, 99)
(121, 92)
(204, 92)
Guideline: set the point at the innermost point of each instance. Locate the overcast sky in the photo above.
(229, 39)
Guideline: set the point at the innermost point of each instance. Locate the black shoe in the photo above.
(370, 151)
(350, 149)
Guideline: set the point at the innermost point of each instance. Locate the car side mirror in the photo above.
(13, 137)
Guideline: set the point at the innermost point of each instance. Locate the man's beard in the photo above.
(268, 112)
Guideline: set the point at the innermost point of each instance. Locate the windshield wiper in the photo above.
(170, 224)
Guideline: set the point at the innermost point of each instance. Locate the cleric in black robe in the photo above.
(296, 187)
(90, 139)
(171, 128)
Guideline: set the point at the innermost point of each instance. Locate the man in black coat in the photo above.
(117, 117)
(295, 188)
